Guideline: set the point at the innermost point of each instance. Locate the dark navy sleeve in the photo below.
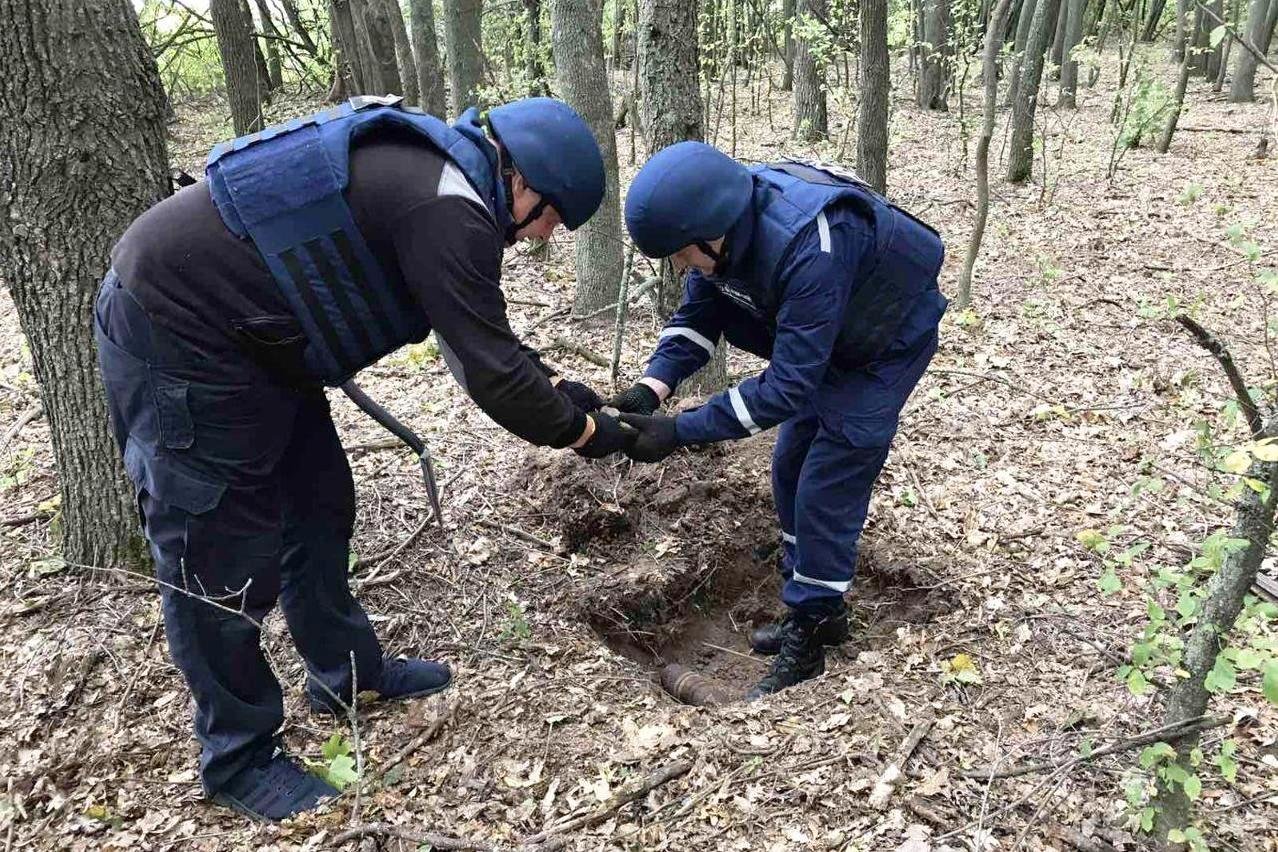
(815, 281)
(689, 338)
(449, 252)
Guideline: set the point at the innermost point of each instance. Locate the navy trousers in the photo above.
(828, 456)
(247, 499)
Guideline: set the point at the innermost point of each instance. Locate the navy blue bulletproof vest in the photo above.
(905, 262)
(282, 188)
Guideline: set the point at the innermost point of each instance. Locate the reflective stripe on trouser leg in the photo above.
(830, 508)
(793, 439)
(325, 620)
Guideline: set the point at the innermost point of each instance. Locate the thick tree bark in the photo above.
(935, 49)
(430, 75)
(407, 66)
(1069, 71)
(1058, 41)
(81, 155)
(1020, 159)
(1022, 35)
(464, 38)
(872, 116)
(274, 73)
(787, 19)
(1178, 99)
(577, 41)
(534, 68)
(993, 41)
(370, 68)
(346, 55)
(1260, 27)
(235, 44)
(381, 48)
(1201, 40)
(1214, 53)
(811, 122)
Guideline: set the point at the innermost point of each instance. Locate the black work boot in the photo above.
(833, 630)
(802, 652)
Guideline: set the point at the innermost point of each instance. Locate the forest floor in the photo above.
(561, 585)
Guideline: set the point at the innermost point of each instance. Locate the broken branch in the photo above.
(623, 797)
(1212, 344)
(385, 829)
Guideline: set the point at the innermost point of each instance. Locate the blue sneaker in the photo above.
(273, 790)
(400, 679)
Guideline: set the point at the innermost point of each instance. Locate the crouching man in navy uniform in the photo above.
(311, 250)
(811, 269)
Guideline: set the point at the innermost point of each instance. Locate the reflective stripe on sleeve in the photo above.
(788, 539)
(743, 413)
(823, 230)
(696, 337)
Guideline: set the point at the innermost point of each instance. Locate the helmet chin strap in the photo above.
(508, 181)
(720, 258)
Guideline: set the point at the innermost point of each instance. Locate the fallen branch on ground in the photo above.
(430, 839)
(577, 349)
(1212, 344)
(1166, 732)
(895, 771)
(445, 716)
(35, 412)
(625, 796)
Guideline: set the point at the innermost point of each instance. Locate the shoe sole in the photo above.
(328, 711)
(226, 801)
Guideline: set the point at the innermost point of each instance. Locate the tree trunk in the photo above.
(464, 38)
(1260, 24)
(534, 69)
(1201, 40)
(1069, 71)
(935, 49)
(370, 70)
(1214, 53)
(993, 41)
(1020, 160)
(81, 155)
(1058, 41)
(235, 43)
(872, 117)
(787, 22)
(407, 67)
(1022, 36)
(576, 38)
(381, 48)
(810, 120)
(669, 103)
(430, 76)
(274, 73)
(618, 24)
(1178, 99)
(299, 28)
(1152, 20)
(346, 56)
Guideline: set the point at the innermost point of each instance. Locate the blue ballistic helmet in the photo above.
(553, 148)
(688, 193)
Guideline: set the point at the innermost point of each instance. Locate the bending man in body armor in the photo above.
(820, 275)
(311, 250)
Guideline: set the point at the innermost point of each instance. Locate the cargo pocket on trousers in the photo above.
(168, 483)
(177, 430)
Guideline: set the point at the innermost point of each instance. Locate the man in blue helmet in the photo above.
(311, 250)
(807, 267)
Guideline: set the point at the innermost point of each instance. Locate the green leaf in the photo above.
(1248, 658)
(350, 562)
(1265, 450)
(1093, 540)
(1218, 34)
(1176, 836)
(341, 771)
(1150, 755)
(1193, 786)
(335, 747)
(1222, 677)
(1269, 682)
(1136, 683)
(1175, 773)
(1147, 819)
(1225, 760)
(1187, 604)
(1109, 582)
(1237, 462)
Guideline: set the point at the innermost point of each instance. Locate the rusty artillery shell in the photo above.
(692, 688)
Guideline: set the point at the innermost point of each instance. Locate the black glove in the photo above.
(611, 436)
(580, 395)
(657, 437)
(637, 399)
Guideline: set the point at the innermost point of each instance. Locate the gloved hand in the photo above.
(610, 436)
(657, 437)
(637, 399)
(580, 395)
